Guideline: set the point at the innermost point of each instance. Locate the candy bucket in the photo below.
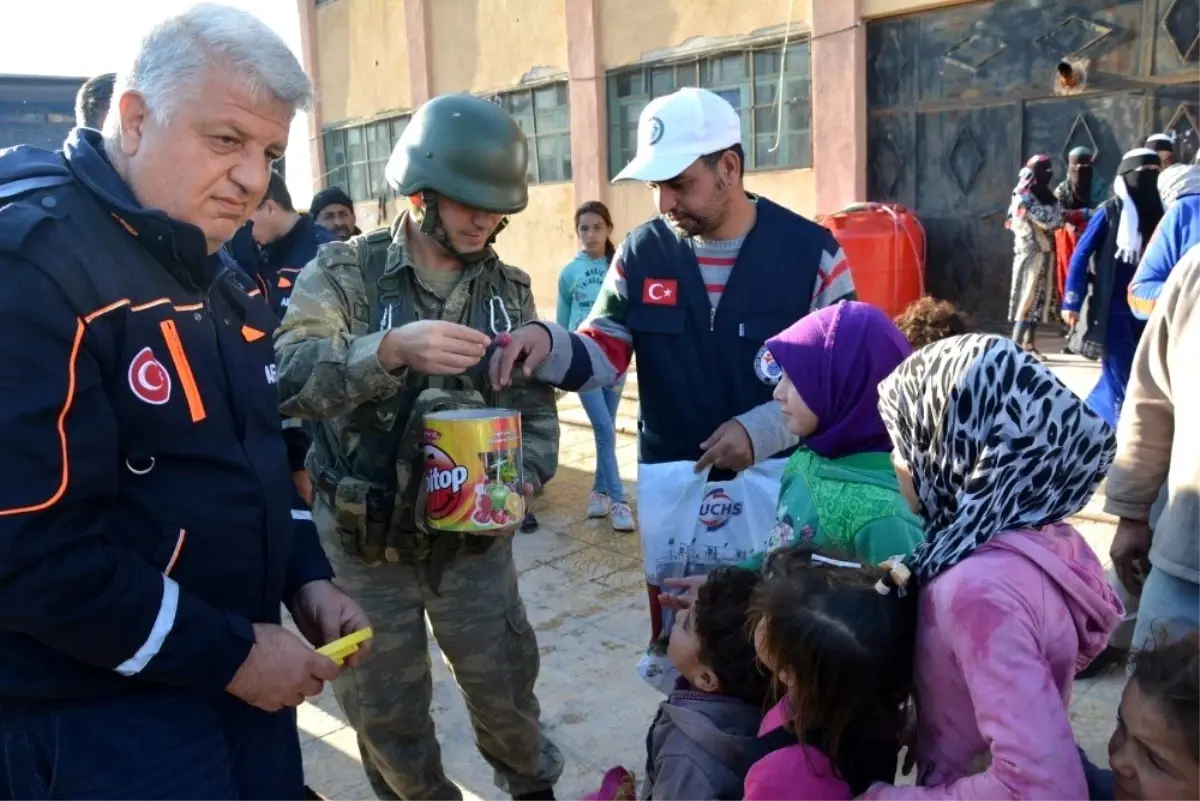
(473, 476)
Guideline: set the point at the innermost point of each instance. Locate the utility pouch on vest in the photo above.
(363, 511)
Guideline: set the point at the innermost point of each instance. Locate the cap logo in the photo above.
(656, 130)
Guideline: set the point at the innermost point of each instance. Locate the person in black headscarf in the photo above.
(1164, 145)
(1080, 193)
(1095, 302)
(1033, 216)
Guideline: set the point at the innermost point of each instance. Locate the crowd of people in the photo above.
(214, 412)
(1083, 253)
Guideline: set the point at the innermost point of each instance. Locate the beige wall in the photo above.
(630, 29)
(541, 240)
(362, 60)
(480, 45)
(889, 8)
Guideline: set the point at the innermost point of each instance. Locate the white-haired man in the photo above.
(146, 543)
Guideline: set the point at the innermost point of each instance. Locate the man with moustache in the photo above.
(333, 209)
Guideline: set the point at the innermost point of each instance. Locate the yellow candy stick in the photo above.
(339, 649)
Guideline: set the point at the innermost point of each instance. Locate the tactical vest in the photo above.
(378, 491)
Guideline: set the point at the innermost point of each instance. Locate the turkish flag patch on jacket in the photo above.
(660, 291)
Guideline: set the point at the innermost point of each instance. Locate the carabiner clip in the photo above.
(501, 327)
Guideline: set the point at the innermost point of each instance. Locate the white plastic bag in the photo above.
(690, 525)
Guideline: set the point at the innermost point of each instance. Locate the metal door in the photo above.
(959, 98)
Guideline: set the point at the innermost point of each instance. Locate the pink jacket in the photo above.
(795, 773)
(1000, 637)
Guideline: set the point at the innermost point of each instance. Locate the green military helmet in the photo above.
(467, 149)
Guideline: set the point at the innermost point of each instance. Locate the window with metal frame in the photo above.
(544, 114)
(750, 79)
(355, 157)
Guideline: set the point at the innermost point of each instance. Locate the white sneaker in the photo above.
(622, 517)
(598, 505)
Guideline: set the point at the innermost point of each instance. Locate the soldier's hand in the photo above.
(433, 347)
(530, 344)
(281, 670)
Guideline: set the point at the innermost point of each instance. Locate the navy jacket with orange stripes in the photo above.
(277, 264)
(144, 488)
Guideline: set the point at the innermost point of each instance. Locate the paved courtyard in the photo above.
(585, 594)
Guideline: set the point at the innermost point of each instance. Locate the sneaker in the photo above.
(622, 517)
(598, 504)
(529, 524)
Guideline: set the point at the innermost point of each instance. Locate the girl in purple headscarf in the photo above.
(839, 489)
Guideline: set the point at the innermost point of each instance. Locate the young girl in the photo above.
(578, 285)
(843, 653)
(994, 452)
(838, 489)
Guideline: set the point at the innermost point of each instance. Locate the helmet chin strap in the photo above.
(431, 225)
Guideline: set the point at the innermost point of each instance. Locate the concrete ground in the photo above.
(583, 586)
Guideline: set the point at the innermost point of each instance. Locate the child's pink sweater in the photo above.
(999, 640)
(795, 773)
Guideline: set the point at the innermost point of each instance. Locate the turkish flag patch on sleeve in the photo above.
(660, 291)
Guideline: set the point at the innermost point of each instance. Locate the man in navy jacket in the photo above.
(282, 241)
(146, 544)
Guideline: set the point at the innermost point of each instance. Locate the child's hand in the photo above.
(691, 588)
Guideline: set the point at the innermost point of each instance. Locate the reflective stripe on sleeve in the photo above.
(163, 624)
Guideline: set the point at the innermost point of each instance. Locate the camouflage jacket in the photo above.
(326, 348)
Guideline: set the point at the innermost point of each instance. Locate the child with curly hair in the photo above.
(927, 320)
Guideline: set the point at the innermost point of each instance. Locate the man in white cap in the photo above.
(694, 292)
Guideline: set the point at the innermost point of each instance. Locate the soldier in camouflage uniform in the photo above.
(381, 330)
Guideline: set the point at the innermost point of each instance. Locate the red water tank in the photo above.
(885, 244)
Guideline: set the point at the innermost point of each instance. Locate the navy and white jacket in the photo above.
(144, 489)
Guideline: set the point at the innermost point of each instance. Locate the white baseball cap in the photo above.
(677, 129)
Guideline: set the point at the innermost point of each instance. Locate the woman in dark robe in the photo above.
(1079, 194)
(1095, 303)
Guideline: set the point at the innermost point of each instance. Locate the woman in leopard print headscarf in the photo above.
(994, 452)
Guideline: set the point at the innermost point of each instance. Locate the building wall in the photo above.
(637, 30)
(493, 44)
(361, 56)
(486, 46)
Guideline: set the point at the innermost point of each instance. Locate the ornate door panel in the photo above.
(958, 99)
(1108, 124)
(1177, 109)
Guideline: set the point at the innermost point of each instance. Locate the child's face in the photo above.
(593, 232)
(1148, 755)
(684, 652)
(798, 418)
(905, 480)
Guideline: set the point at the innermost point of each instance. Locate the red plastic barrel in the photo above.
(885, 244)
